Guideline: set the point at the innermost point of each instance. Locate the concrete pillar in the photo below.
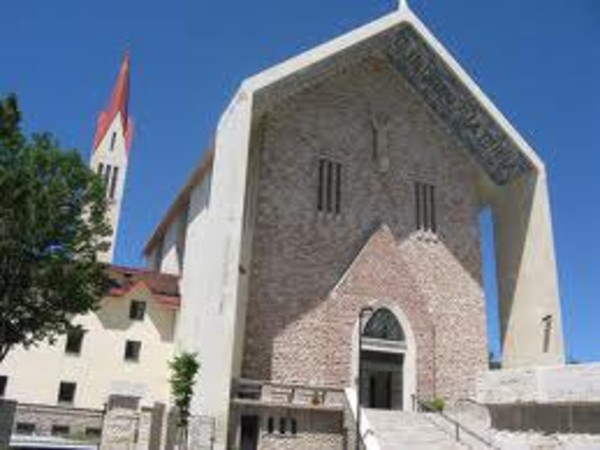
(8, 409)
(527, 274)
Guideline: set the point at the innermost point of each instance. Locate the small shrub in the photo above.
(436, 404)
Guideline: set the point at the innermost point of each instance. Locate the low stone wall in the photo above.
(547, 418)
(545, 399)
(562, 384)
(82, 423)
(316, 430)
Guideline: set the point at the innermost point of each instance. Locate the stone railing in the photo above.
(292, 395)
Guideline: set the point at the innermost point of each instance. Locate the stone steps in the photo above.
(398, 430)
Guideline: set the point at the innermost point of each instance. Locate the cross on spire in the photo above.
(402, 4)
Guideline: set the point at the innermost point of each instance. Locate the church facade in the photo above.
(343, 196)
(327, 248)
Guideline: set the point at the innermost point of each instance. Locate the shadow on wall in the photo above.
(114, 315)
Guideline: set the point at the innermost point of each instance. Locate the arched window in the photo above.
(384, 325)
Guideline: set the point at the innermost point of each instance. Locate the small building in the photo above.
(119, 357)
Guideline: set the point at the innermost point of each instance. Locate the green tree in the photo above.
(52, 226)
(184, 368)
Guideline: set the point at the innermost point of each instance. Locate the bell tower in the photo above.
(110, 152)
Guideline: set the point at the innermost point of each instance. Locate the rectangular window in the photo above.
(137, 310)
(113, 139)
(60, 430)
(425, 207)
(66, 392)
(93, 433)
(107, 175)
(113, 182)
(25, 428)
(3, 383)
(132, 350)
(74, 342)
(329, 195)
(100, 169)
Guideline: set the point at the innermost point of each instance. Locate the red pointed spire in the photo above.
(119, 103)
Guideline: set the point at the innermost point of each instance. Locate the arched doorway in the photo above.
(383, 362)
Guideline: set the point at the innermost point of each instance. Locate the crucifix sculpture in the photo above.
(381, 123)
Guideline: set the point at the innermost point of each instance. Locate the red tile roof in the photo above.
(164, 287)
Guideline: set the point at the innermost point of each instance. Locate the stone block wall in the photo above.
(299, 327)
(316, 430)
(83, 424)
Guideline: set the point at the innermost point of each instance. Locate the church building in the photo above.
(342, 197)
(325, 256)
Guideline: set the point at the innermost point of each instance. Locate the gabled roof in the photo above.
(411, 49)
(163, 287)
(414, 52)
(119, 104)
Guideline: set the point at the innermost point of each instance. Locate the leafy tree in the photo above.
(52, 226)
(184, 368)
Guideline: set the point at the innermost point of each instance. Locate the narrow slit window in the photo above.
(320, 193)
(270, 425)
(329, 185)
(113, 140)
(100, 169)
(113, 183)
(432, 218)
(329, 195)
(107, 174)
(282, 425)
(418, 205)
(547, 324)
(3, 383)
(338, 188)
(425, 207)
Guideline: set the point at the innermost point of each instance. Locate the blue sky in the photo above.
(539, 60)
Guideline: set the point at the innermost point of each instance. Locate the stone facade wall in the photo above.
(120, 430)
(299, 327)
(44, 417)
(316, 431)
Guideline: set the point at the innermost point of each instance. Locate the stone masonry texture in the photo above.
(311, 271)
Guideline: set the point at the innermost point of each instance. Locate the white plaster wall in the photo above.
(527, 274)
(34, 375)
(170, 263)
(117, 157)
(211, 271)
(197, 229)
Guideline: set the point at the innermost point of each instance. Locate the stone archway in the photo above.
(387, 361)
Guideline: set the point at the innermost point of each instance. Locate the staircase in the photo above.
(398, 430)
